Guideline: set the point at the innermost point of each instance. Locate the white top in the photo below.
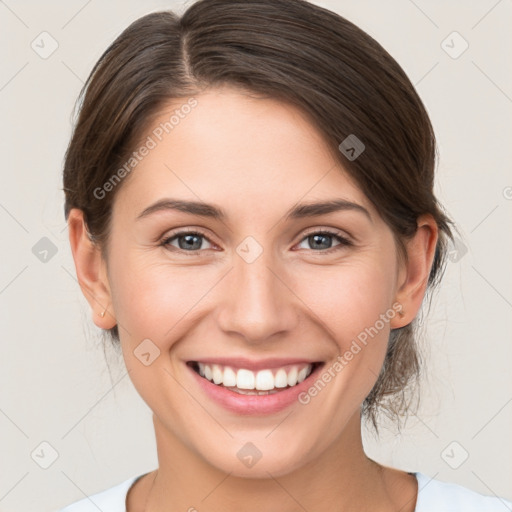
(433, 496)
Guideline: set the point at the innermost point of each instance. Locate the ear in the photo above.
(413, 276)
(91, 271)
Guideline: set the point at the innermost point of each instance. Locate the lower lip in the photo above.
(253, 404)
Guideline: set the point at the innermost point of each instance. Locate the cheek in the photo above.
(156, 300)
(348, 298)
(353, 302)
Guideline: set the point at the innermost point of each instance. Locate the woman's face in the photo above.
(256, 297)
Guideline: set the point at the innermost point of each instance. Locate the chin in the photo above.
(265, 459)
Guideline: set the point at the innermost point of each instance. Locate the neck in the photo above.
(343, 478)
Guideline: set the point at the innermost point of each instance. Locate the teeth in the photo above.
(264, 380)
(245, 379)
(217, 374)
(229, 379)
(281, 379)
(247, 382)
(302, 375)
(292, 376)
(246, 392)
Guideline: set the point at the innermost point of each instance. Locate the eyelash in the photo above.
(343, 241)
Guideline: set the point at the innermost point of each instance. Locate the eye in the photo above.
(192, 241)
(187, 241)
(322, 240)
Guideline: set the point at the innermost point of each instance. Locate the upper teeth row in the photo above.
(262, 380)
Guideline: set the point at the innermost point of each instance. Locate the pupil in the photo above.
(318, 238)
(189, 242)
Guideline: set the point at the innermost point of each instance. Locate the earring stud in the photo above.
(103, 313)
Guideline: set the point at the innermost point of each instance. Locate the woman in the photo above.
(249, 194)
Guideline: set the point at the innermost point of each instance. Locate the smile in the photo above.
(265, 381)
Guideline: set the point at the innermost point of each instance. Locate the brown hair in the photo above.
(289, 50)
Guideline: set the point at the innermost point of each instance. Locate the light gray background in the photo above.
(55, 386)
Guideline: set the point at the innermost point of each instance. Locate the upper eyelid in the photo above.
(329, 231)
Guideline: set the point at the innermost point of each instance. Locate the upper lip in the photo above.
(252, 364)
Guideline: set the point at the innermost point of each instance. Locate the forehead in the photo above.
(228, 147)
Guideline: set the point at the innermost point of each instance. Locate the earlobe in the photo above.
(91, 271)
(420, 252)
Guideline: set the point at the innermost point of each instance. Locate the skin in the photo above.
(239, 153)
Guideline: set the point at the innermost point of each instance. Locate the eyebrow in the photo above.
(297, 212)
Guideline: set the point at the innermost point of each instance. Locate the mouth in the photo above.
(257, 382)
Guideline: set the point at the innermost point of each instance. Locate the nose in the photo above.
(258, 303)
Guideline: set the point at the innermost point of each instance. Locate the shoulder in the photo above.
(437, 496)
(109, 500)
